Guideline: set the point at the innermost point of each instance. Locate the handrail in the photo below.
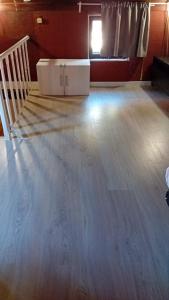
(12, 48)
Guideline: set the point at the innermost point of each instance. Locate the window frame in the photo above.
(95, 56)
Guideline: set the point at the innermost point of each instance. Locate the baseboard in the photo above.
(34, 85)
(106, 84)
(109, 84)
(100, 84)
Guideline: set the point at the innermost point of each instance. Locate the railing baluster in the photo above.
(15, 82)
(4, 117)
(22, 71)
(27, 62)
(16, 79)
(6, 93)
(25, 67)
(19, 76)
(11, 87)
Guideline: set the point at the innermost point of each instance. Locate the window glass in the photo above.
(96, 36)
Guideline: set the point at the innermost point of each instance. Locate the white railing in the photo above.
(15, 83)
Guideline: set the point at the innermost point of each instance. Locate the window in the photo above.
(96, 40)
(95, 35)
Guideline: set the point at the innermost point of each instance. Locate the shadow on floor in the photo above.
(53, 289)
(70, 100)
(43, 121)
(48, 109)
(160, 98)
(50, 127)
(50, 130)
(5, 293)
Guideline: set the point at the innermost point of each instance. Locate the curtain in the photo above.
(125, 27)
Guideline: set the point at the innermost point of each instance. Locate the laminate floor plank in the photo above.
(82, 209)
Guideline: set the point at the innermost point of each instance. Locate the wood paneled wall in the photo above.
(64, 35)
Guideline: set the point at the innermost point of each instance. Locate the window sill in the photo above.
(109, 59)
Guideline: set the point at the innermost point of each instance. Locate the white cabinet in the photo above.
(63, 76)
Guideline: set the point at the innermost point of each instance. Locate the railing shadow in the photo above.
(43, 121)
(51, 128)
(79, 100)
(41, 113)
(47, 131)
(52, 110)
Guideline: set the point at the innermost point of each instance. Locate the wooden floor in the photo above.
(82, 209)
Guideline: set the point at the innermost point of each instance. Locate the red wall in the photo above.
(64, 35)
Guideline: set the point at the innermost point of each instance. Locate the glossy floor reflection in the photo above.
(83, 214)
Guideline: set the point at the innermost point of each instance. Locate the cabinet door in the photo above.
(77, 80)
(51, 79)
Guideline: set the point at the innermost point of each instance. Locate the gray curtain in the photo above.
(125, 27)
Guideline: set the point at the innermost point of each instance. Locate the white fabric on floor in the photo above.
(167, 177)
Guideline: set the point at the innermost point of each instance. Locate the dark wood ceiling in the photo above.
(33, 4)
(39, 2)
(46, 4)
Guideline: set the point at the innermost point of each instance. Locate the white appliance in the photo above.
(63, 76)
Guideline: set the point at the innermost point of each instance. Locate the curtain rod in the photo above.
(80, 4)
